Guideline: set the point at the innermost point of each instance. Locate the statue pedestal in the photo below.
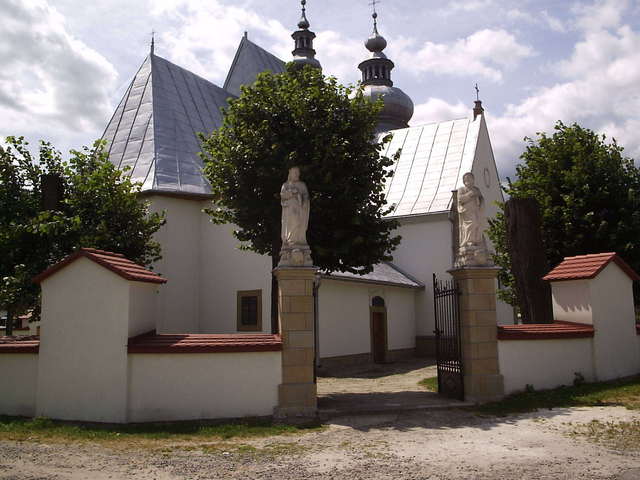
(297, 392)
(479, 328)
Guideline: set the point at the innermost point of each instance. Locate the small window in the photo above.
(377, 302)
(250, 311)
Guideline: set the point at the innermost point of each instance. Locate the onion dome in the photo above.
(376, 80)
(304, 54)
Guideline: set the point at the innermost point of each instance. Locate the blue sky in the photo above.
(66, 64)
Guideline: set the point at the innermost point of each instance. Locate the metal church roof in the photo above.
(433, 159)
(250, 60)
(153, 130)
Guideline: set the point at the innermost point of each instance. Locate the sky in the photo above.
(66, 63)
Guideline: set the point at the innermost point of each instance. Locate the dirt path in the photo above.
(435, 445)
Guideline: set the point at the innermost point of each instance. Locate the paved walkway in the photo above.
(380, 388)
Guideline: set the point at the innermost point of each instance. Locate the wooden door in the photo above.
(379, 330)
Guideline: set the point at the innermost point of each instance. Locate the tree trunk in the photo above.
(528, 260)
(9, 328)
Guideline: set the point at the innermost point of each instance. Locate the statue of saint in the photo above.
(472, 249)
(294, 198)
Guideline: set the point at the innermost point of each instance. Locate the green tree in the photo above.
(100, 208)
(300, 118)
(588, 193)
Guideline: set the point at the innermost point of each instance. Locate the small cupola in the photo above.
(304, 54)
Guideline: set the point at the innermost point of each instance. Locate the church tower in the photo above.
(304, 54)
(376, 79)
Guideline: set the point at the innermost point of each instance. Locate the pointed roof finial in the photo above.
(303, 23)
(478, 109)
(373, 4)
(376, 42)
(153, 41)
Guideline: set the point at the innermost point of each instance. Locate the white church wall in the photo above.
(426, 248)
(19, 377)
(344, 326)
(544, 363)
(571, 301)
(177, 309)
(82, 364)
(165, 387)
(615, 346)
(225, 270)
(142, 307)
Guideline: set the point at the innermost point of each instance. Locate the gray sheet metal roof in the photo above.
(434, 157)
(383, 274)
(153, 131)
(250, 60)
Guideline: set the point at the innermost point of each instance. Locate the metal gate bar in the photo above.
(446, 294)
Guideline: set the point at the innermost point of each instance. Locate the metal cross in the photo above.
(477, 93)
(373, 4)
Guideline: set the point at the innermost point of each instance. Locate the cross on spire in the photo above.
(153, 41)
(477, 93)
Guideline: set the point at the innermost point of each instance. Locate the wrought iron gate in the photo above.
(446, 295)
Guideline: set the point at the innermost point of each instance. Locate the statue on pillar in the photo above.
(294, 198)
(472, 249)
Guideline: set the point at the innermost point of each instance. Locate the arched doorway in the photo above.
(378, 314)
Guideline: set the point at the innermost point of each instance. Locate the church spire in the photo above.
(478, 109)
(377, 83)
(304, 54)
(153, 42)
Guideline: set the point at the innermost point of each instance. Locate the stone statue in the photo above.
(294, 198)
(472, 249)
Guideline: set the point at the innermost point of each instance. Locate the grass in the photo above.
(430, 384)
(152, 434)
(623, 436)
(624, 393)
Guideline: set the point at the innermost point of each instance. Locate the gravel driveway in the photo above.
(450, 444)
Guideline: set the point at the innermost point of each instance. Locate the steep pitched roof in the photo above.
(584, 267)
(250, 60)
(153, 131)
(433, 159)
(115, 262)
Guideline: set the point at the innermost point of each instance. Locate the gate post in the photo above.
(297, 392)
(482, 379)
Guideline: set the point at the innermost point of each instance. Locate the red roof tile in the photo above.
(204, 343)
(19, 344)
(585, 267)
(115, 262)
(545, 331)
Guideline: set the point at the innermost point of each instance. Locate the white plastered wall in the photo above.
(142, 307)
(426, 248)
(82, 365)
(615, 346)
(344, 326)
(544, 363)
(571, 301)
(205, 269)
(165, 387)
(19, 380)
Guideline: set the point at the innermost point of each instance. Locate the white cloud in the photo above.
(486, 53)
(601, 14)
(600, 91)
(436, 110)
(53, 86)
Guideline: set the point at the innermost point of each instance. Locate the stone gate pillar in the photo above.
(479, 328)
(297, 392)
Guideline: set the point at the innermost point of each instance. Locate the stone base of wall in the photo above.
(426, 346)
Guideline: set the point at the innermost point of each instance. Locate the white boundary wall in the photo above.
(544, 363)
(19, 380)
(165, 387)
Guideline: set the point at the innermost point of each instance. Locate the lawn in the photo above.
(430, 384)
(152, 434)
(624, 393)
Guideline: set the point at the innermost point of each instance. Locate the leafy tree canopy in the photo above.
(588, 193)
(100, 208)
(300, 118)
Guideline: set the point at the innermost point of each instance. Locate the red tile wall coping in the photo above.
(585, 267)
(545, 331)
(115, 262)
(20, 344)
(204, 343)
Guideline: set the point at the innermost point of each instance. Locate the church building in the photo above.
(214, 287)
